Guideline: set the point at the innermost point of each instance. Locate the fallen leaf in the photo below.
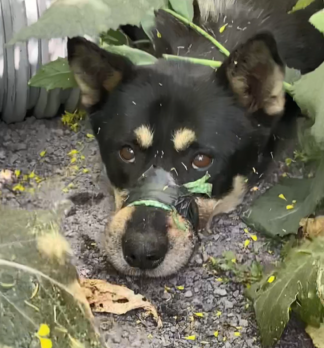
(312, 227)
(105, 297)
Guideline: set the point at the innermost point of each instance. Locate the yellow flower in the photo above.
(271, 279)
(180, 287)
(43, 153)
(246, 243)
(191, 338)
(216, 334)
(19, 187)
(17, 173)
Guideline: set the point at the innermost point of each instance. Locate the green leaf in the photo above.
(301, 4)
(308, 93)
(293, 283)
(115, 37)
(183, 7)
(137, 56)
(56, 74)
(317, 20)
(39, 291)
(78, 18)
(269, 214)
(148, 23)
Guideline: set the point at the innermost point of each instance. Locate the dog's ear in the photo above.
(255, 73)
(96, 71)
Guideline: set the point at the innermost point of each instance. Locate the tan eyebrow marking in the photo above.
(144, 136)
(183, 138)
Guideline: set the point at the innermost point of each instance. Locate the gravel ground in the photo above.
(223, 305)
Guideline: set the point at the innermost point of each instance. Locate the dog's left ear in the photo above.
(255, 73)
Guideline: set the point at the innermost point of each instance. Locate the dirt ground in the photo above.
(223, 305)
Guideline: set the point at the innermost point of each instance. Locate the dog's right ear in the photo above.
(96, 71)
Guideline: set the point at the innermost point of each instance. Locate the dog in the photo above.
(174, 122)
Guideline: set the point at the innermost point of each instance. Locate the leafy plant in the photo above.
(41, 301)
(297, 284)
(242, 273)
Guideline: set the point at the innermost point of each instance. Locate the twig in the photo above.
(207, 62)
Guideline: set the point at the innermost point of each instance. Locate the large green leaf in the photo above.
(56, 74)
(77, 18)
(308, 93)
(183, 7)
(38, 284)
(317, 20)
(293, 283)
(138, 57)
(269, 213)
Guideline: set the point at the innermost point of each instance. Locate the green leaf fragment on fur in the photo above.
(200, 186)
(317, 20)
(151, 203)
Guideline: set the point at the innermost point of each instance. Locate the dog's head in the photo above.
(178, 121)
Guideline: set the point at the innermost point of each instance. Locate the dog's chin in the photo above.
(180, 249)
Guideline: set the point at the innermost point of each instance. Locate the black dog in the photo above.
(180, 120)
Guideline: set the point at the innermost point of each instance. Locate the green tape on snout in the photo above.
(199, 186)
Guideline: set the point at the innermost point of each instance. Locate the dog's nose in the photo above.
(144, 250)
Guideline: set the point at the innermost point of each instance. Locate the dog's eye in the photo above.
(127, 154)
(201, 162)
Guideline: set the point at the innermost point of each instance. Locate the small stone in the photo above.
(243, 323)
(2, 154)
(188, 294)
(220, 292)
(199, 260)
(228, 304)
(59, 132)
(125, 334)
(116, 339)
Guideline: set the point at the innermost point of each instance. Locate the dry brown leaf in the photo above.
(105, 297)
(312, 227)
(317, 335)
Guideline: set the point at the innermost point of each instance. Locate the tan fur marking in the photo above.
(120, 196)
(89, 96)
(112, 81)
(208, 208)
(120, 219)
(54, 246)
(183, 138)
(144, 136)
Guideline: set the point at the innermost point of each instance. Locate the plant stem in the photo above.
(200, 31)
(207, 62)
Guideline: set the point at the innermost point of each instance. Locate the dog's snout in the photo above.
(144, 250)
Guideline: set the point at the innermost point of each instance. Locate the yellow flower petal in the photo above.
(271, 279)
(219, 313)
(219, 279)
(166, 288)
(180, 287)
(85, 170)
(290, 206)
(200, 315)
(158, 34)
(282, 197)
(65, 190)
(246, 230)
(246, 243)
(191, 338)
(25, 177)
(224, 339)
(19, 187)
(17, 173)
(294, 201)
(284, 175)
(43, 153)
(237, 334)
(82, 157)
(255, 188)
(44, 330)
(31, 175)
(46, 342)
(216, 333)
(233, 260)
(221, 29)
(73, 152)
(73, 160)
(90, 136)
(254, 237)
